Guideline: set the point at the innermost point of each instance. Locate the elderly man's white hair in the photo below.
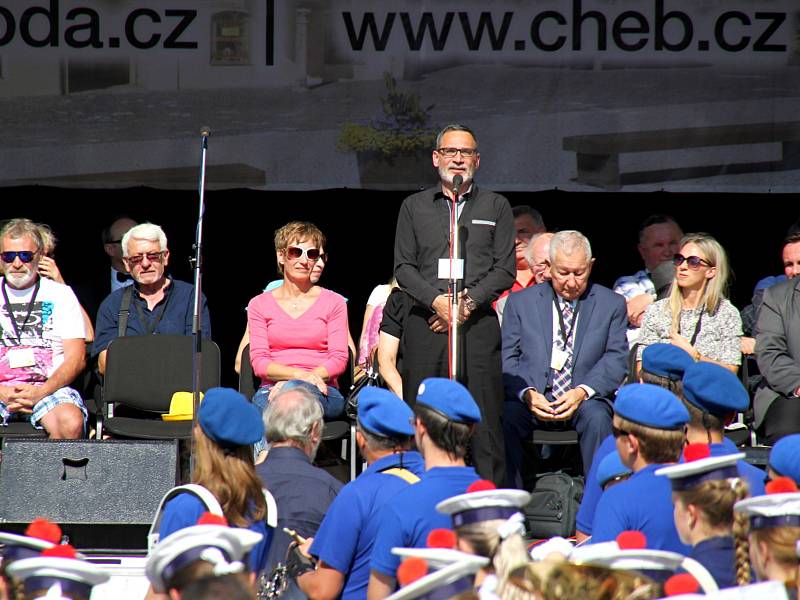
(529, 249)
(146, 231)
(567, 242)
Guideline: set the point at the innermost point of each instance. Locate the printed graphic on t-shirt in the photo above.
(36, 336)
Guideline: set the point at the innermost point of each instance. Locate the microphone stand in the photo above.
(197, 331)
(453, 283)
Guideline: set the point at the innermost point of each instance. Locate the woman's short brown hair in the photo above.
(297, 231)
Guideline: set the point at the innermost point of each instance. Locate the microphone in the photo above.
(457, 181)
(205, 131)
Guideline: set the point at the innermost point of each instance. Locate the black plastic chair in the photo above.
(142, 374)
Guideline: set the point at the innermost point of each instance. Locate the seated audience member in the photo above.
(538, 256)
(302, 491)
(489, 522)
(784, 458)
(57, 573)
(344, 542)
(776, 405)
(527, 223)
(662, 365)
(112, 236)
(298, 331)
(648, 426)
(445, 419)
(543, 328)
(390, 341)
(697, 316)
(659, 237)
(774, 532)
(316, 274)
(209, 548)
(43, 339)
(704, 490)
(371, 325)
(713, 395)
(155, 303)
(227, 425)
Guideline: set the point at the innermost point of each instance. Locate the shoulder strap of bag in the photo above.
(124, 311)
(206, 497)
(403, 474)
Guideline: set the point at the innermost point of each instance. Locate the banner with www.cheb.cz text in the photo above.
(574, 94)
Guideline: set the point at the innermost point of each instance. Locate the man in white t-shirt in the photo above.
(42, 339)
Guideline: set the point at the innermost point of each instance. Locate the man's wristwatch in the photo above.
(469, 303)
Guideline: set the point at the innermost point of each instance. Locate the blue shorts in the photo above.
(65, 395)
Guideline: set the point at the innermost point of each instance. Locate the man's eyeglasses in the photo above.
(617, 432)
(693, 262)
(312, 254)
(25, 256)
(451, 152)
(151, 257)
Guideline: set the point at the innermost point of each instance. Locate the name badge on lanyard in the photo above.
(558, 359)
(19, 358)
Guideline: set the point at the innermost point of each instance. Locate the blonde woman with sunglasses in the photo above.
(697, 315)
(298, 331)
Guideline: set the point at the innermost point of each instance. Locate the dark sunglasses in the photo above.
(312, 254)
(693, 262)
(617, 432)
(151, 256)
(25, 256)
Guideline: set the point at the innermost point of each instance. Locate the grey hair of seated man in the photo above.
(294, 416)
(567, 242)
(145, 231)
(529, 258)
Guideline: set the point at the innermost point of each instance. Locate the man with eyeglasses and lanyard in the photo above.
(421, 263)
(157, 303)
(42, 338)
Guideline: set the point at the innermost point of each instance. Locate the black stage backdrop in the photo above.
(239, 225)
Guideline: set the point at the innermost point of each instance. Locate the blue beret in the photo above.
(610, 467)
(228, 418)
(666, 360)
(383, 413)
(714, 389)
(784, 458)
(651, 406)
(450, 398)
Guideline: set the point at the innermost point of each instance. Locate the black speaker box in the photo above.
(104, 494)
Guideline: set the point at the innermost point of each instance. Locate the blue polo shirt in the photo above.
(408, 518)
(347, 534)
(185, 509)
(644, 503)
(177, 307)
(591, 488)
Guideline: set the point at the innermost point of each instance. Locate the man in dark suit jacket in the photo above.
(564, 353)
(776, 403)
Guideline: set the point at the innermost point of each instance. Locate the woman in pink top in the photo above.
(298, 331)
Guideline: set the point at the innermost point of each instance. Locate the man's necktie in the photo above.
(562, 380)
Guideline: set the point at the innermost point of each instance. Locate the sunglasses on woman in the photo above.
(25, 256)
(312, 254)
(693, 262)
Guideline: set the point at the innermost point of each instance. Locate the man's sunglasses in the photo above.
(312, 254)
(151, 256)
(693, 262)
(25, 256)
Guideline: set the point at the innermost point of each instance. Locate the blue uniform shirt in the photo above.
(718, 556)
(408, 518)
(643, 503)
(176, 320)
(592, 489)
(345, 538)
(184, 510)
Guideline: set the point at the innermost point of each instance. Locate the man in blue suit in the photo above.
(564, 354)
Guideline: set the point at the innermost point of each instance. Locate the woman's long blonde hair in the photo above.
(715, 289)
(229, 474)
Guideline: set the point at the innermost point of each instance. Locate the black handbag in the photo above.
(369, 378)
(553, 508)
